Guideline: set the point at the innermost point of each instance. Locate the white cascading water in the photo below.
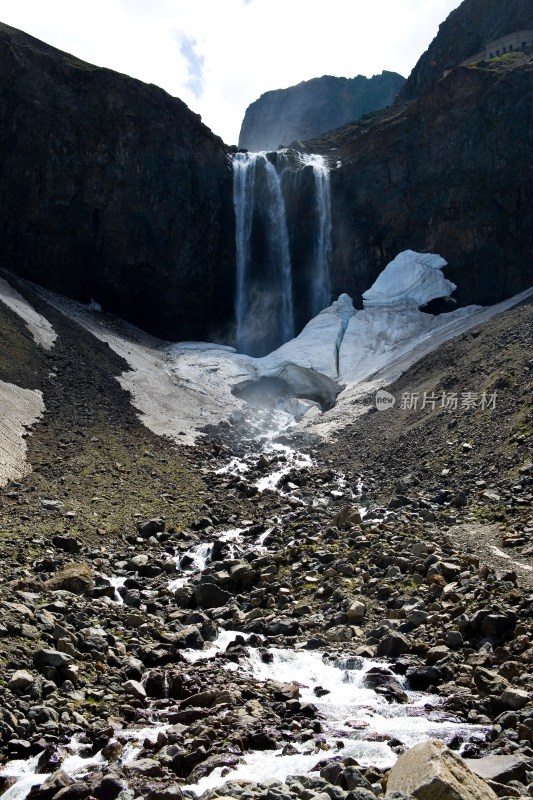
(246, 168)
(321, 281)
(280, 246)
(357, 716)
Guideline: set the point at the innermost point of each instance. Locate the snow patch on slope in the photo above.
(39, 327)
(177, 389)
(19, 410)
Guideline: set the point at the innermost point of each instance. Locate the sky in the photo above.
(219, 56)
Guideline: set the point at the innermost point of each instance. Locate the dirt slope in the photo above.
(483, 454)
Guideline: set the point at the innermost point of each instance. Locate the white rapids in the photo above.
(24, 770)
(197, 557)
(357, 721)
(74, 764)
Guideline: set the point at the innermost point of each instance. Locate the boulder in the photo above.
(209, 595)
(21, 680)
(421, 678)
(67, 543)
(489, 682)
(497, 624)
(189, 636)
(48, 657)
(75, 578)
(144, 768)
(515, 698)
(51, 787)
(356, 611)
(346, 515)
(151, 527)
(499, 768)
(431, 771)
(395, 644)
(135, 689)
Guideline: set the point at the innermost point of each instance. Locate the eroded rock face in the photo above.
(110, 189)
(314, 107)
(464, 33)
(447, 173)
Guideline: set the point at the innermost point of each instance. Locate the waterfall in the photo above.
(244, 165)
(280, 243)
(321, 280)
(265, 305)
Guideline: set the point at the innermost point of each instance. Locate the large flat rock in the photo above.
(431, 771)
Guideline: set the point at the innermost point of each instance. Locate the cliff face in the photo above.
(314, 107)
(111, 189)
(465, 32)
(450, 173)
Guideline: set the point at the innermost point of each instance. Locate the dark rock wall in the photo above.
(464, 33)
(113, 190)
(451, 173)
(314, 107)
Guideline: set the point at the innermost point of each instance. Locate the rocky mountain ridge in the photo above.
(313, 107)
(448, 173)
(112, 190)
(464, 33)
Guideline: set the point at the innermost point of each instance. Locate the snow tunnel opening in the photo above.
(287, 387)
(439, 305)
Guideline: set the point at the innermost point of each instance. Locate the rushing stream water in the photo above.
(356, 720)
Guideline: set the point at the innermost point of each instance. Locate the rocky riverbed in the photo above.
(264, 615)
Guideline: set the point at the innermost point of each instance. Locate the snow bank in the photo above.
(348, 345)
(341, 355)
(411, 277)
(19, 410)
(39, 327)
(317, 346)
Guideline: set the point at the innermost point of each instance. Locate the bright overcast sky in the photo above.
(220, 55)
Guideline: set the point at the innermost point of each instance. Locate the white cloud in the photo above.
(231, 51)
(195, 64)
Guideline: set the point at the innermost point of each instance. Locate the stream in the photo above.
(356, 720)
